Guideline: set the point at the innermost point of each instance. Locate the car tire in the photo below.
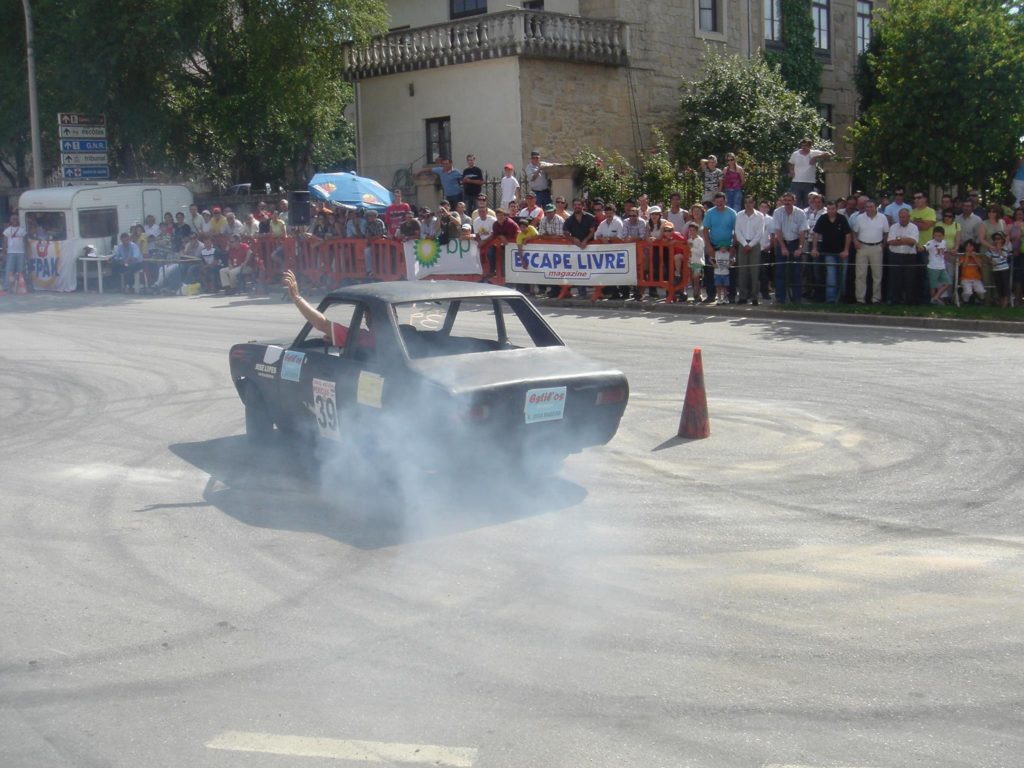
(259, 427)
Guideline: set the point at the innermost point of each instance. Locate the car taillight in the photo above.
(241, 354)
(610, 395)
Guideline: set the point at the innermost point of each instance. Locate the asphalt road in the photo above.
(834, 578)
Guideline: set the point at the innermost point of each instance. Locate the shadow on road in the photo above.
(773, 324)
(273, 488)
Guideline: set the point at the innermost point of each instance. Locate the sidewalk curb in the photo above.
(770, 312)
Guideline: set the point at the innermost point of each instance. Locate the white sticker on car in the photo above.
(291, 369)
(272, 354)
(370, 389)
(325, 408)
(547, 404)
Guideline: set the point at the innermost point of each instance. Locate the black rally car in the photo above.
(438, 372)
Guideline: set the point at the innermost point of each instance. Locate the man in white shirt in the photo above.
(903, 237)
(14, 247)
(611, 227)
(530, 209)
(151, 228)
(803, 171)
(749, 233)
(676, 214)
(233, 225)
(195, 219)
(869, 231)
(482, 225)
(483, 219)
(538, 178)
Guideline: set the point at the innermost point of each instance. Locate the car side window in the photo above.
(340, 316)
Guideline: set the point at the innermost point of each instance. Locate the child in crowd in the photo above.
(209, 270)
(723, 261)
(696, 243)
(970, 273)
(509, 187)
(999, 255)
(938, 278)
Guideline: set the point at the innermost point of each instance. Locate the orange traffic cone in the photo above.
(694, 421)
(21, 284)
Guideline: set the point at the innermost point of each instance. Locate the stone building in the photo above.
(498, 79)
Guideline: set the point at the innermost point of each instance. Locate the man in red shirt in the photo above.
(239, 260)
(396, 214)
(503, 231)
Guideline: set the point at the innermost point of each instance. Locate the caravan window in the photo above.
(46, 225)
(98, 222)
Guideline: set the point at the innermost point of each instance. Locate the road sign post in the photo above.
(83, 146)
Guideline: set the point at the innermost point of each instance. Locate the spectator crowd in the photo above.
(896, 249)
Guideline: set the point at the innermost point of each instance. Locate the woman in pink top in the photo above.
(732, 182)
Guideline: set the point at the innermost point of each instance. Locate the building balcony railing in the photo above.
(533, 34)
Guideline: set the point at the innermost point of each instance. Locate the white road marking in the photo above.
(344, 749)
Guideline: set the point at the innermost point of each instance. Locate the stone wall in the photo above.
(566, 106)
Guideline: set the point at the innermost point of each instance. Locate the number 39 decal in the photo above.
(325, 408)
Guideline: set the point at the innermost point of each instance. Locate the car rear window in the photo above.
(466, 326)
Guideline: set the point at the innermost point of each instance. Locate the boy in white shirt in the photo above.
(509, 187)
(938, 277)
(724, 260)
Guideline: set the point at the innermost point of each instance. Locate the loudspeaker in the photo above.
(298, 208)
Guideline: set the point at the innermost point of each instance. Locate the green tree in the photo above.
(797, 61)
(742, 104)
(606, 175)
(245, 90)
(949, 107)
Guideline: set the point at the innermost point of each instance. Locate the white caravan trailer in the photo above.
(62, 222)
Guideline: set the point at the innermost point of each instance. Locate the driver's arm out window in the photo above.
(340, 317)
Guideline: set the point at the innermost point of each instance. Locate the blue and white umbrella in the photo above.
(348, 189)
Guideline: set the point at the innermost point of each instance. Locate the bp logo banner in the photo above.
(558, 264)
(426, 258)
(51, 270)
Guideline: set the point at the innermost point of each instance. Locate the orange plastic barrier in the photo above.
(655, 267)
(273, 256)
(341, 259)
(328, 263)
(387, 260)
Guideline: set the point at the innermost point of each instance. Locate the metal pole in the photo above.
(33, 105)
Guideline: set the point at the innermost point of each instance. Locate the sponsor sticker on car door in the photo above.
(547, 404)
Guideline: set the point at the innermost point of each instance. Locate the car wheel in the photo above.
(259, 427)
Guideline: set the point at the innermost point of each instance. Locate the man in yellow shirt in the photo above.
(218, 224)
(923, 216)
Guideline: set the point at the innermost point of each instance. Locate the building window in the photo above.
(773, 21)
(533, 5)
(864, 10)
(458, 9)
(819, 12)
(439, 138)
(825, 111)
(707, 15)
